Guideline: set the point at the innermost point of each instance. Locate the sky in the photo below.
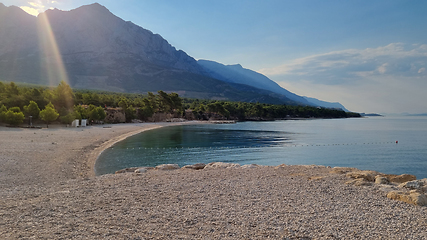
(371, 56)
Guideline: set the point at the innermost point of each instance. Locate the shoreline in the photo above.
(94, 155)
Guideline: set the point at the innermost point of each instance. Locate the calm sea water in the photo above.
(364, 143)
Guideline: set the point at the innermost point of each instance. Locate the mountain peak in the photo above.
(94, 7)
(236, 66)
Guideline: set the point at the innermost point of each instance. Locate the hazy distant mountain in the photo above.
(318, 102)
(238, 74)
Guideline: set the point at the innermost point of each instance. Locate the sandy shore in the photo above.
(49, 191)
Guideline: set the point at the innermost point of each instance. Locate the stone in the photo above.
(143, 169)
(413, 197)
(401, 178)
(367, 175)
(416, 184)
(280, 166)
(342, 170)
(250, 166)
(221, 165)
(359, 182)
(197, 166)
(381, 180)
(316, 178)
(126, 170)
(167, 167)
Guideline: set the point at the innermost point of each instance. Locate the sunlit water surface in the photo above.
(364, 143)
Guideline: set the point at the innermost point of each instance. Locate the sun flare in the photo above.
(51, 58)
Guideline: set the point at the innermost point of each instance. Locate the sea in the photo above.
(392, 145)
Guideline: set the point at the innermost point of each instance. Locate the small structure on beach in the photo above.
(75, 123)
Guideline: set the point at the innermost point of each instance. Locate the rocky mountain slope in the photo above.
(94, 49)
(237, 74)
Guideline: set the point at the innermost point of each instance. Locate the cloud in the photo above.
(353, 65)
(386, 79)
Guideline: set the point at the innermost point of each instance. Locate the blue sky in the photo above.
(371, 56)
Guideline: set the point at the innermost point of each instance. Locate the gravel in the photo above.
(48, 191)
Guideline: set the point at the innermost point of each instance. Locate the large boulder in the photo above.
(415, 184)
(367, 175)
(381, 180)
(401, 178)
(413, 197)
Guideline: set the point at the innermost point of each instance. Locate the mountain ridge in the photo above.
(102, 51)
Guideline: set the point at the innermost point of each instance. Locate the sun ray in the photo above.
(50, 56)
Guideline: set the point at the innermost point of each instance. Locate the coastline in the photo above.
(94, 154)
(48, 192)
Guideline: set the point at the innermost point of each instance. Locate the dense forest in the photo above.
(63, 104)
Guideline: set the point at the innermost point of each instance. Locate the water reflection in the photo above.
(186, 145)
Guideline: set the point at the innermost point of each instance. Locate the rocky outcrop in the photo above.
(415, 184)
(402, 187)
(342, 170)
(401, 178)
(381, 180)
(367, 175)
(413, 197)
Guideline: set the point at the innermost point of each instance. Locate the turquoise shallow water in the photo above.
(365, 143)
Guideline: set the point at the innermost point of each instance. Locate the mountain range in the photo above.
(94, 49)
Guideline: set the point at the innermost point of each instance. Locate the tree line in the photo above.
(64, 104)
(204, 109)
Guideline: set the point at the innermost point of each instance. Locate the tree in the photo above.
(81, 112)
(32, 110)
(63, 96)
(146, 110)
(14, 116)
(3, 111)
(49, 114)
(97, 114)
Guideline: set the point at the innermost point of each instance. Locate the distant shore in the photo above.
(48, 190)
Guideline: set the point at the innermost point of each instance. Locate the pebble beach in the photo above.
(48, 190)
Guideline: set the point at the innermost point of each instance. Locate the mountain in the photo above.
(238, 74)
(318, 102)
(91, 48)
(95, 49)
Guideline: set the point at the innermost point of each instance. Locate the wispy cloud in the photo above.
(390, 78)
(353, 65)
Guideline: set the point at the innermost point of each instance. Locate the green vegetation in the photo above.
(65, 104)
(204, 109)
(49, 114)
